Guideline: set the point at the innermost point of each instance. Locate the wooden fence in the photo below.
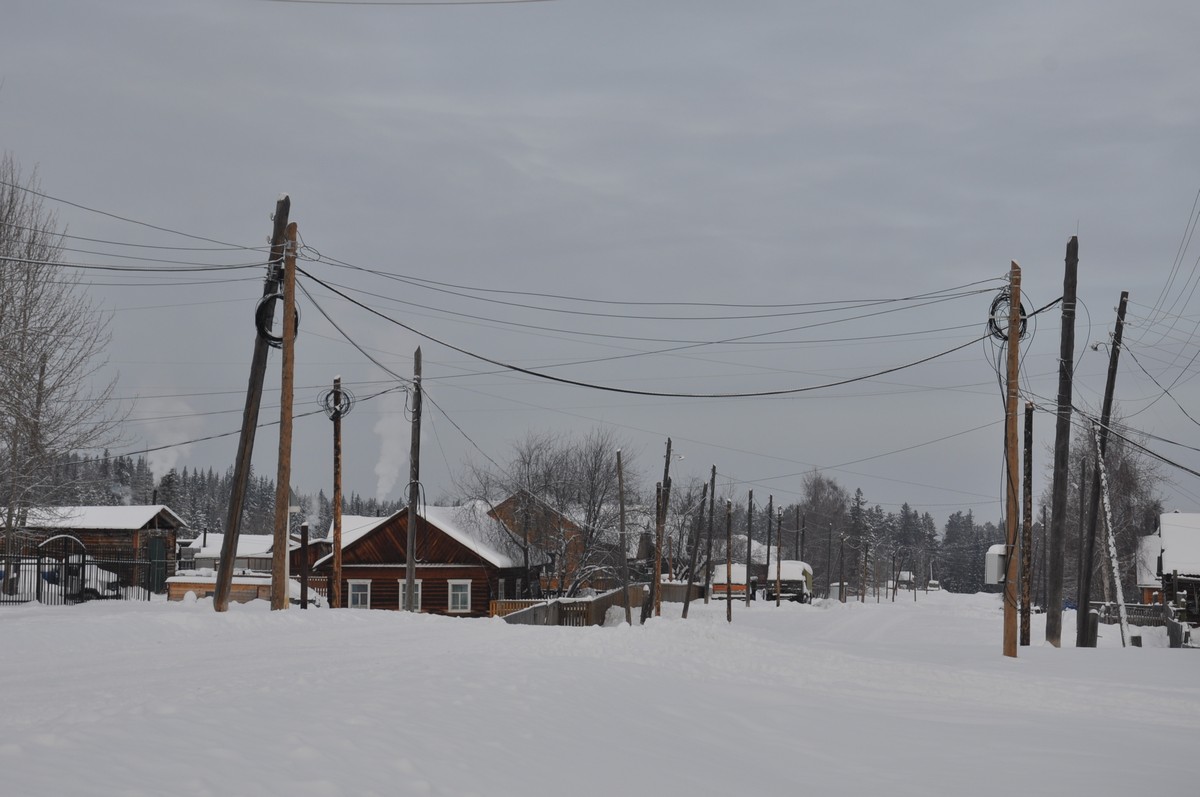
(1141, 614)
(575, 612)
(676, 592)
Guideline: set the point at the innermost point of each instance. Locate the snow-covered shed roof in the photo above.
(1180, 534)
(106, 518)
(247, 545)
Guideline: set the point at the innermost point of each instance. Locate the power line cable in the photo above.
(630, 391)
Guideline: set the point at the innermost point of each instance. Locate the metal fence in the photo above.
(60, 575)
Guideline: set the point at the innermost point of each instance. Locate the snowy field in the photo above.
(900, 699)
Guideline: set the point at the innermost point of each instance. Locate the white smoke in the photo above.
(393, 428)
(179, 423)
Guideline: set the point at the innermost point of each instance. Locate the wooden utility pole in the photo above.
(245, 451)
(779, 557)
(749, 540)
(801, 521)
(656, 583)
(1045, 545)
(712, 506)
(691, 572)
(280, 584)
(829, 563)
(1027, 526)
(304, 565)
(337, 493)
(660, 523)
(1012, 462)
(729, 561)
(770, 516)
(414, 489)
(1082, 638)
(1057, 542)
(842, 571)
(624, 543)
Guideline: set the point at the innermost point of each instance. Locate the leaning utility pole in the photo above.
(1027, 525)
(1082, 638)
(280, 584)
(1057, 543)
(414, 489)
(258, 370)
(1013, 463)
(712, 505)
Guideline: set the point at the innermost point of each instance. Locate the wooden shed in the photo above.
(459, 567)
(136, 541)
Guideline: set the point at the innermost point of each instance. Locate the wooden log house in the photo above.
(460, 566)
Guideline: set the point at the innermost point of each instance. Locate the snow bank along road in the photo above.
(904, 698)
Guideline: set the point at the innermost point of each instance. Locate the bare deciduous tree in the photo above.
(558, 498)
(52, 342)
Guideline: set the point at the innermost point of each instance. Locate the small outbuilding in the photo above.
(136, 542)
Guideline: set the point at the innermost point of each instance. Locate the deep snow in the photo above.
(900, 698)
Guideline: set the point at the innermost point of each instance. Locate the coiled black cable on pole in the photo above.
(997, 323)
(264, 313)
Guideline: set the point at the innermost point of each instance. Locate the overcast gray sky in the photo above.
(738, 155)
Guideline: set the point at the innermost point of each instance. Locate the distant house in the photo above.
(546, 533)
(1149, 582)
(459, 564)
(204, 553)
(1179, 533)
(137, 542)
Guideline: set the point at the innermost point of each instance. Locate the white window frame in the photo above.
(350, 585)
(450, 585)
(404, 592)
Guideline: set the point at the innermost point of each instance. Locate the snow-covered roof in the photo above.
(1147, 560)
(355, 526)
(738, 573)
(469, 525)
(247, 545)
(114, 518)
(792, 570)
(1180, 533)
